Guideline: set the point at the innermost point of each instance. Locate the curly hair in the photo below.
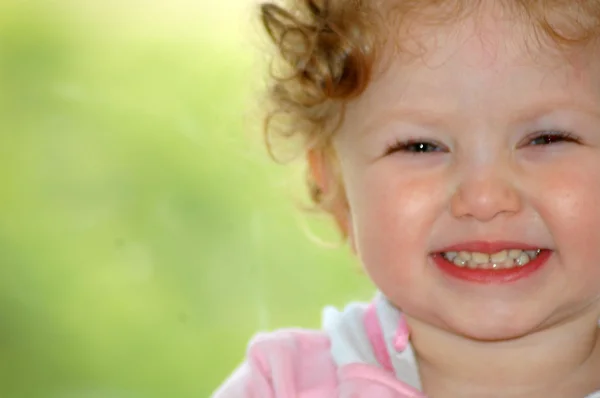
(327, 52)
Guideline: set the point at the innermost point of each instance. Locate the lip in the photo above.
(488, 247)
(490, 276)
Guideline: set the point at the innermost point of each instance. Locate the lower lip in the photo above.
(490, 276)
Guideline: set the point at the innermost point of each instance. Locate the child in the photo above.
(457, 146)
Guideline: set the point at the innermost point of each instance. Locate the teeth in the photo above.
(522, 260)
(464, 256)
(480, 258)
(514, 254)
(504, 259)
(499, 257)
(532, 253)
(451, 255)
(458, 261)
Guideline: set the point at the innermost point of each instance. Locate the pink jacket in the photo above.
(362, 352)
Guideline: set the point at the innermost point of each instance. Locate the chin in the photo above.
(494, 335)
(492, 329)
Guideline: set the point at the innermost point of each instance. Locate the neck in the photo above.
(557, 362)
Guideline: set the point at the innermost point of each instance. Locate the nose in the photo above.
(484, 196)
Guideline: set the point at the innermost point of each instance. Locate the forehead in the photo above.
(486, 60)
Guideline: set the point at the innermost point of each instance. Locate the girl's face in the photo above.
(482, 139)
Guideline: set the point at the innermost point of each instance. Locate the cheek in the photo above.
(392, 218)
(568, 200)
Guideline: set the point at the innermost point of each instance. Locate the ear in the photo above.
(325, 172)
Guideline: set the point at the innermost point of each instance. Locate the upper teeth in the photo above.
(499, 260)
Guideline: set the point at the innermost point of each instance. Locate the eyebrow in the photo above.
(410, 115)
(434, 118)
(553, 105)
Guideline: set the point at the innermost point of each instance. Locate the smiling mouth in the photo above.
(501, 267)
(504, 259)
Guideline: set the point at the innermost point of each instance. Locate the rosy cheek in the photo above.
(400, 196)
(394, 214)
(569, 198)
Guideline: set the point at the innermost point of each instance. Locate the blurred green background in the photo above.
(145, 236)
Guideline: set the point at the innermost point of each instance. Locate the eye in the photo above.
(551, 137)
(414, 147)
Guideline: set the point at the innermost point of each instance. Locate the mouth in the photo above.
(503, 266)
(505, 259)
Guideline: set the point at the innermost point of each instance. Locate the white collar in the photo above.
(404, 362)
(350, 342)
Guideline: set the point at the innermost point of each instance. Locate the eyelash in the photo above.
(405, 146)
(416, 146)
(551, 136)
